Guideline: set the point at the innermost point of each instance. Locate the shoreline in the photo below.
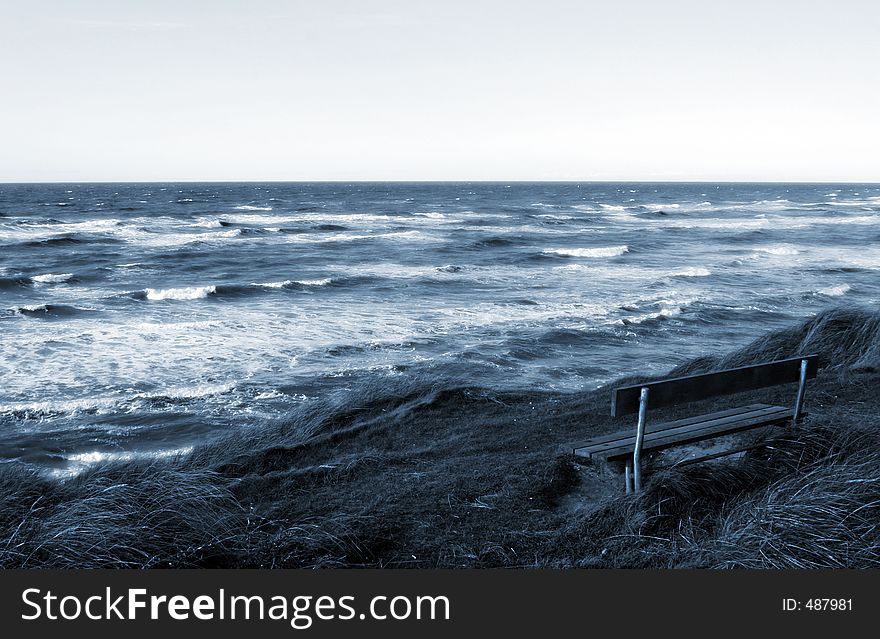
(438, 475)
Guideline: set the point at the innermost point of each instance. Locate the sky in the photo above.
(775, 90)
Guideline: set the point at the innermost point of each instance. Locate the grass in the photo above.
(428, 473)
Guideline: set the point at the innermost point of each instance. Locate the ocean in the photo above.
(142, 319)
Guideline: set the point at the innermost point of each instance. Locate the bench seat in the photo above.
(619, 446)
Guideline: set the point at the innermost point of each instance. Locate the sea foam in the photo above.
(604, 251)
(693, 271)
(186, 293)
(777, 250)
(50, 278)
(834, 291)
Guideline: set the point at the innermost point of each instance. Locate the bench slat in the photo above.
(657, 427)
(680, 390)
(694, 436)
(677, 432)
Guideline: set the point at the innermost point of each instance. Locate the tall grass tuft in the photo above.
(845, 338)
(122, 517)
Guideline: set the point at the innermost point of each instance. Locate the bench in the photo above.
(628, 446)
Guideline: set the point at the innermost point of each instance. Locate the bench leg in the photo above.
(799, 398)
(640, 437)
(627, 475)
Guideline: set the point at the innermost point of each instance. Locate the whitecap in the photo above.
(777, 250)
(208, 224)
(50, 278)
(31, 308)
(186, 293)
(189, 392)
(669, 311)
(834, 291)
(352, 237)
(249, 207)
(70, 406)
(273, 394)
(693, 271)
(604, 251)
(552, 216)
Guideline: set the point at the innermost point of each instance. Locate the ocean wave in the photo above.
(604, 251)
(311, 218)
(91, 405)
(273, 284)
(147, 232)
(54, 229)
(189, 293)
(554, 216)
(50, 278)
(250, 207)
(665, 311)
(51, 408)
(67, 240)
(496, 242)
(198, 391)
(834, 291)
(270, 394)
(208, 224)
(296, 283)
(660, 206)
(777, 250)
(13, 282)
(353, 237)
(572, 337)
(760, 221)
(49, 311)
(692, 271)
(185, 293)
(147, 238)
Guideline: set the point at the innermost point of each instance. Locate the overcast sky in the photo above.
(440, 90)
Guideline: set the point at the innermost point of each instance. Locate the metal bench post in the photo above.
(799, 400)
(640, 437)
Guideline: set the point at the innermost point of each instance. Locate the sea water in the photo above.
(142, 319)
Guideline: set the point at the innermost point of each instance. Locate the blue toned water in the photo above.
(143, 318)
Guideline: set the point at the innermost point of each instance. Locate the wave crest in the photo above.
(185, 293)
(604, 251)
(834, 291)
(50, 278)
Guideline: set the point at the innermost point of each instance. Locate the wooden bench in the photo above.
(628, 446)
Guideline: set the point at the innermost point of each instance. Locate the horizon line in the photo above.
(492, 181)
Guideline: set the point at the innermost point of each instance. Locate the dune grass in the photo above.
(425, 472)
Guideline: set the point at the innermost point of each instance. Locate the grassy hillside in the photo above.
(432, 473)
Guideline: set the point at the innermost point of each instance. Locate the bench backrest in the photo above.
(692, 388)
